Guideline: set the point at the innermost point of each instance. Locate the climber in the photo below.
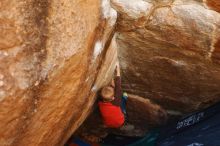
(112, 104)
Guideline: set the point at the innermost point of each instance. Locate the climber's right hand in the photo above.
(117, 69)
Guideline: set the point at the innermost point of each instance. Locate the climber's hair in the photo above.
(107, 93)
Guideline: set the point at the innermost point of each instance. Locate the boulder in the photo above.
(54, 56)
(169, 51)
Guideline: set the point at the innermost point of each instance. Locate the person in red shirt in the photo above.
(112, 103)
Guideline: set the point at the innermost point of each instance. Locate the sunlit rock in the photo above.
(169, 52)
(51, 67)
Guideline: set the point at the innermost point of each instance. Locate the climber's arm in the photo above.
(118, 89)
(113, 83)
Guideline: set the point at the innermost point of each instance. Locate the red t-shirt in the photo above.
(111, 114)
(111, 111)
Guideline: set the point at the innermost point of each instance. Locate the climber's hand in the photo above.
(113, 83)
(117, 69)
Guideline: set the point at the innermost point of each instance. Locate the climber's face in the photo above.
(107, 93)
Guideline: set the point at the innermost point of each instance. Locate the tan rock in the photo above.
(55, 55)
(213, 4)
(51, 54)
(169, 52)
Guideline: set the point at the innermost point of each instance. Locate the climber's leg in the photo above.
(126, 126)
(123, 103)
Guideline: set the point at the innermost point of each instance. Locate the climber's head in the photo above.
(107, 93)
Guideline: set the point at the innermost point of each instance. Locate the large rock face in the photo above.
(54, 56)
(170, 51)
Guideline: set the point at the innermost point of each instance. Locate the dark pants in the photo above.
(123, 104)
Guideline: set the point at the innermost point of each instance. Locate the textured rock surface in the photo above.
(51, 55)
(54, 56)
(169, 51)
(143, 113)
